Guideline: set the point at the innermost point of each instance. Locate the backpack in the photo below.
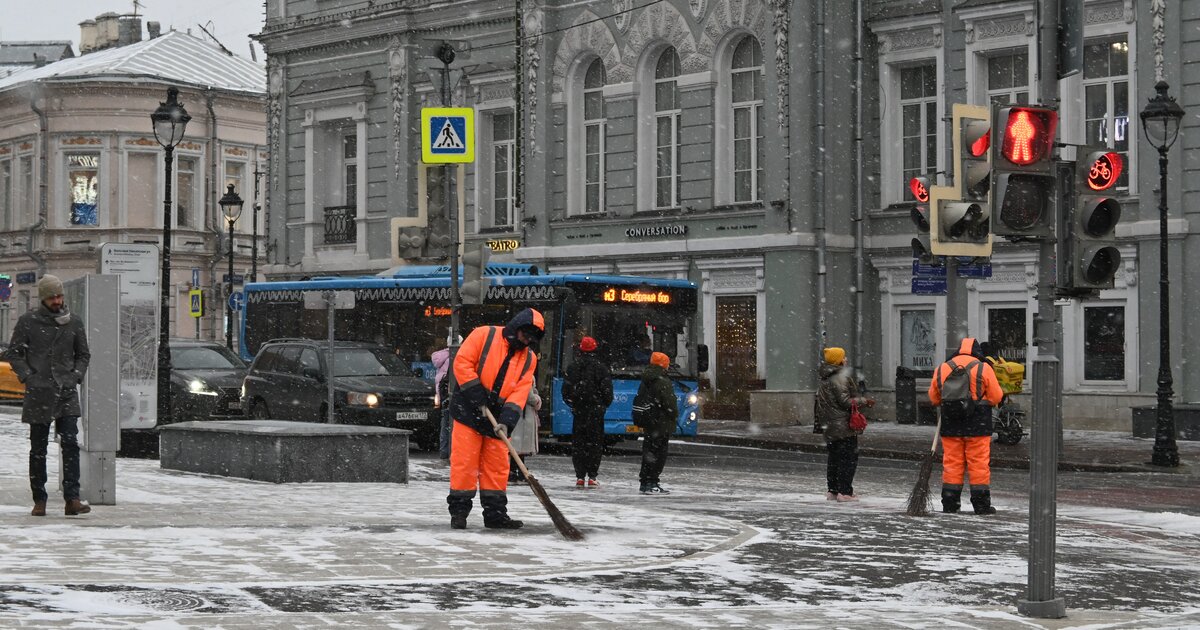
(643, 405)
(957, 401)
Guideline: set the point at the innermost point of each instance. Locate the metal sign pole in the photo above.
(331, 312)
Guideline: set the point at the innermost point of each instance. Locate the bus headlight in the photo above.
(693, 399)
(692, 417)
(364, 399)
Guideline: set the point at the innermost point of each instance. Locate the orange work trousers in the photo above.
(477, 461)
(970, 455)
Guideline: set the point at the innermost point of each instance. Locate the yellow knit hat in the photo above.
(835, 356)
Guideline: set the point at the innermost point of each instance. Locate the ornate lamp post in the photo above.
(231, 207)
(170, 121)
(1160, 121)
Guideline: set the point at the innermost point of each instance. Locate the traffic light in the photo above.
(920, 217)
(1023, 178)
(1089, 258)
(475, 285)
(958, 227)
(410, 242)
(972, 133)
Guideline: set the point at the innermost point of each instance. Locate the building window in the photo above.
(6, 188)
(593, 142)
(83, 180)
(666, 130)
(1008, 78)
(1106, 98)
(747, 99)
(185, 192)
(1104, 343)
(235, 173)
(918, 339)
(503, 146)
(918, 115)
(1007, 333)
(25, 190)
(350, 169)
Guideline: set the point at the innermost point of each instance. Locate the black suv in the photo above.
(372, 386)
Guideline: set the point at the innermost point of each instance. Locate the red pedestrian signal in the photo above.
(1028, 134)
(1104, 169)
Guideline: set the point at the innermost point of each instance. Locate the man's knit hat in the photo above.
(660, 359)
(49, 286)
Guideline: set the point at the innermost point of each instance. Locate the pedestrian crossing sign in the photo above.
(196, 303)
(447, 135)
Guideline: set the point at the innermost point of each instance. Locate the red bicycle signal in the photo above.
(920, 189)
(1104, 171)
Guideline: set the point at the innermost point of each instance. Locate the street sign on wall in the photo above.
(923, 285)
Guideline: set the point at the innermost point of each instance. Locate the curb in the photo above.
(882, 453)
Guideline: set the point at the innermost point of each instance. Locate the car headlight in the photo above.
(364, 399)
(693, 399)
(197, 386)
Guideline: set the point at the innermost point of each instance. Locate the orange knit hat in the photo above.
(660, 359)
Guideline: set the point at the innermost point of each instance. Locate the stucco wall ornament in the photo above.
(533, 25)
(593, 38)
(1158, 10)
(660, 22)
(398, 72)
(1102, 13)
(622, 14)
(781, 21)
(727, 15)
(275, 80)
(697, 7)
(1013, 25)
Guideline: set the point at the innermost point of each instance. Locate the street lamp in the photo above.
(170, 121)
(1160, 121)
(231, 207)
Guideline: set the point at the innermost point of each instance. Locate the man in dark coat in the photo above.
(663, 417)
(49, 354)
(588, 389)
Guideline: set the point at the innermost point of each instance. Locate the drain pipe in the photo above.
(43, 150)
(210, 214)
(859, 231)
(819, 228)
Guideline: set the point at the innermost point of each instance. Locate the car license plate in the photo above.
(633, 428)
(235, 405)
(411, 415)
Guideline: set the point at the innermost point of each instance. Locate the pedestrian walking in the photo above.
(441, 369)
(494, 368)
(656, 395)
(966, 389)
(588, 390)
(836, 396)
(49, 354)
(524, 437)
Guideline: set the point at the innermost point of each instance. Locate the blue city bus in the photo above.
(408, 310)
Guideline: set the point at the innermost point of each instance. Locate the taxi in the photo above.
(10, 387)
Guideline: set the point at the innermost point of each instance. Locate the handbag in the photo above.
(858, 421)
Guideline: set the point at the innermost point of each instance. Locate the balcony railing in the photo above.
(340, 226)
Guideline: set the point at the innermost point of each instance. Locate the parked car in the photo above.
(288, 380)
(10, 387)
(206, 381)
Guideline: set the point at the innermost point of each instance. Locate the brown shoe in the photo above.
(39, 509)
(76, 507)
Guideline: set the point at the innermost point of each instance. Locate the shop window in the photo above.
(737, 349)
(1104, 343)
(1007, 333)
(918, 339)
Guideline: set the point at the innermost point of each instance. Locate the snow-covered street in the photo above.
(729, 548)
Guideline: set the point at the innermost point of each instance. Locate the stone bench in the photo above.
(280, 451)
(1186, 416)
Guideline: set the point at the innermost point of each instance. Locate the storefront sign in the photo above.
(504, 245)
(653, 231)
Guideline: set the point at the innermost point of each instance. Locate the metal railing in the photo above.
(340, 225)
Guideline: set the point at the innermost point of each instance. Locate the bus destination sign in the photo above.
(635, 296)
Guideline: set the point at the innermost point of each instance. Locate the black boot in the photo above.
(460, 506)
(951, 500)
(981, 500)
(495, 510)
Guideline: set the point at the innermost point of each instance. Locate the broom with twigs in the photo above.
(569, 531)
(918, 499)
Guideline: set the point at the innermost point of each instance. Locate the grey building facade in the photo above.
(724, 141)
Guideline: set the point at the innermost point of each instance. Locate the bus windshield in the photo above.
(625, 337)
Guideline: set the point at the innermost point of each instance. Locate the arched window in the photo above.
(666, 130)
(593, 137)
(746, 81)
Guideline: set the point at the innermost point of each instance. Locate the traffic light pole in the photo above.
(1040, 600)
(446, 55)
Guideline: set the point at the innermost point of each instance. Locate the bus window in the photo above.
(626, 337)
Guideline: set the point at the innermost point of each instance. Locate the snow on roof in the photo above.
(175, 57)
(9, 69)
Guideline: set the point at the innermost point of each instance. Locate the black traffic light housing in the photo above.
(1089, 258)
(1023, 172)
(958, 227)
(919, 213)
